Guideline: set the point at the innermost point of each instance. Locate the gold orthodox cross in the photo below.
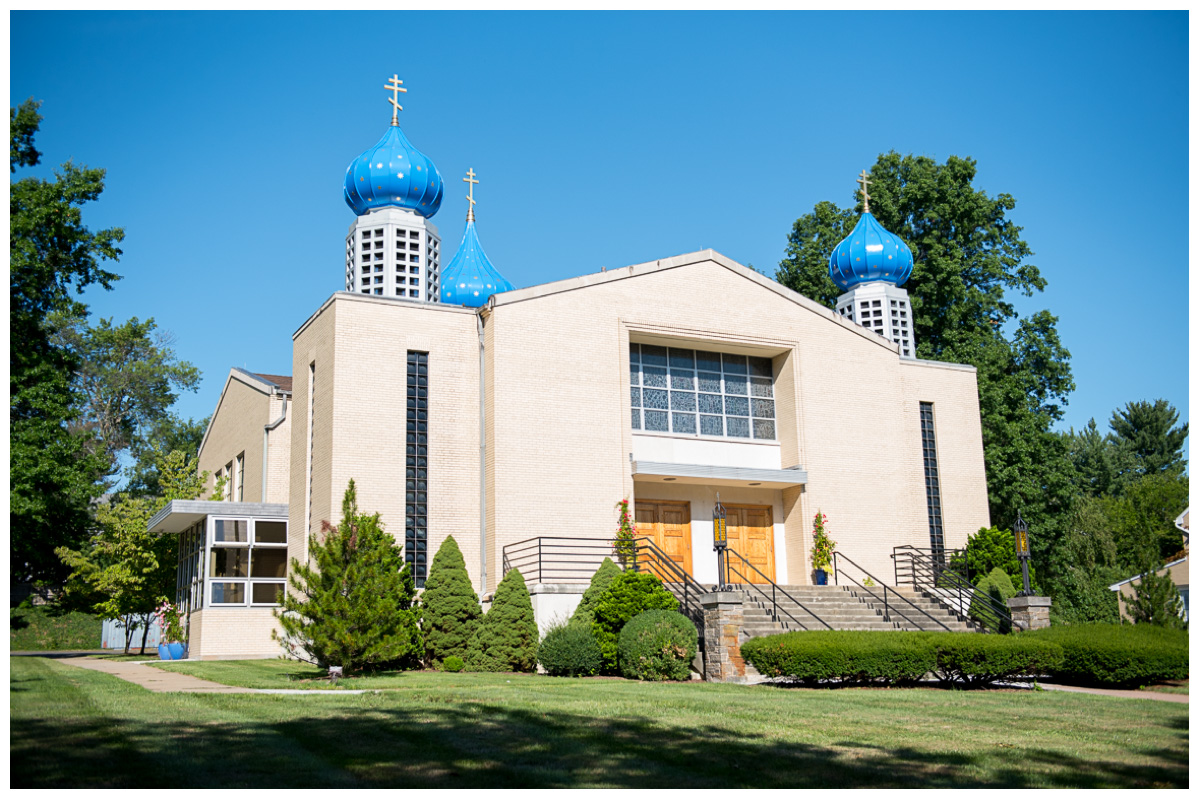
(863, 180)
(395, 88)
(470, 182)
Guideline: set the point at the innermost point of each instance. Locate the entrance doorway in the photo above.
(669, 524)
(751, 532)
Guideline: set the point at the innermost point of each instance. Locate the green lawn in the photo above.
(1178, 687)
(43, 629)
(77, 728)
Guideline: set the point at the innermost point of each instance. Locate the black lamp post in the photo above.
(1021, 533)
(720, 542)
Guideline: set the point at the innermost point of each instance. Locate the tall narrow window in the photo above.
(933, 493)
(417, 466)
(312, 378)
(241, 476)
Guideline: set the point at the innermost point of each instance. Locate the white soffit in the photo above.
(712, 475)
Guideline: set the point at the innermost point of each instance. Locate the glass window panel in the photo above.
(711, 426)
(737, 406)
(654, 356)
(735, 384)
(737, 426)
(654, 376)
(710, 382)
(636, 417)
(763, 408)
(656, 420)
(635, 375)
(654, 398)
(683, 401)
(229, 562)
(760, 387)
(231, 530)
(270, 532)
(268, 563)
(734, 364)
(634, 354)
(760, 367)
(710, 404)
(764, 429)
(707, 360)
(228, 592)
(684, 359)
(683, 380)
(635, 397)
(683, 423)
(267, 593)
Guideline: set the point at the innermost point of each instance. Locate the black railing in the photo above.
(649, 557)
(551, 559)
(945, 580)
(733, 559)
(897, 603)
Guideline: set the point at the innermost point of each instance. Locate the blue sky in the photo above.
(609, 139)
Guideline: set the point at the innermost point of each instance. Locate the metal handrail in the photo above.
(692, 590)
(560, 559)
(775, 591)
(941, 579)
(886, 607)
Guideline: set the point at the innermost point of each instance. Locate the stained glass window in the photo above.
(683, 391)
(416, 505)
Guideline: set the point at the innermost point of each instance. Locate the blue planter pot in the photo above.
(172, 651)
(822, 577)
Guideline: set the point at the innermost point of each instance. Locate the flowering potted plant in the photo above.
(170, 644)
(624, 542)
(822, 549)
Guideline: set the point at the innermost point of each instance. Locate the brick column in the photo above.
(722, 628)
(1030, 613)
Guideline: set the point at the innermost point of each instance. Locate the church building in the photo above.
(515, 419)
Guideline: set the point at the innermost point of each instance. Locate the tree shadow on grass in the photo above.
(368, 742)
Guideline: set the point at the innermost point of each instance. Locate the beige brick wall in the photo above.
(232, 633)
(362, 342)
(244, 408)
(846, 408)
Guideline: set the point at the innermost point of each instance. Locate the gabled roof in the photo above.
(267, 384)
(1118, 585)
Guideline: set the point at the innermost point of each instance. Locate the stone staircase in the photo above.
(846, 608)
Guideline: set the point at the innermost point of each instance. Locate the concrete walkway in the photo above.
(1131, 693)
(161, 680)
(156, 680)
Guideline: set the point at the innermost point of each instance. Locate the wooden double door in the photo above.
(750, 531)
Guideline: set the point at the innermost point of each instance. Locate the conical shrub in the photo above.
(600, 582)
(450, 608)
(507, 638)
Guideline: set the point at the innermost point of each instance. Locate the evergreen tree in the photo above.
(629, 594)
(1147, 432)
(600, 582)
(1156, 600)
(506, 639)
(354, 610)
(450, 608)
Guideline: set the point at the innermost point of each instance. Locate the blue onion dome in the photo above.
(470, 278)
(869, 254)
(393, 173)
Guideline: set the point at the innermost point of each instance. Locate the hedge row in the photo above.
(1104, 655)
(1117, 655)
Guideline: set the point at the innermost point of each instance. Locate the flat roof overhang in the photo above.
(179, 515)
(713, 475)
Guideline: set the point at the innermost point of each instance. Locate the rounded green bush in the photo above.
(657, 645)
(452, 664)
(999, 587)
(570, 651)
(629, 594)
(1116, 655)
